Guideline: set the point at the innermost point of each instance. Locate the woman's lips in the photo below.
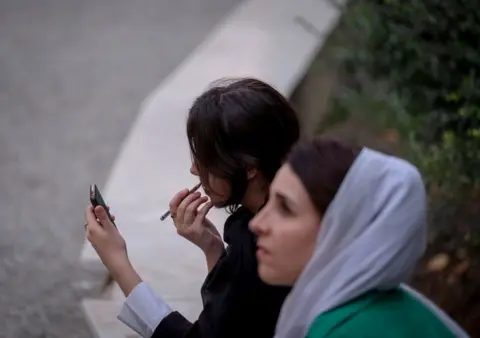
(261, 253)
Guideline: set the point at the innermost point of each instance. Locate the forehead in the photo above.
(286, 182)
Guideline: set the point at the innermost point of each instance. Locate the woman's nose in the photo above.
(258, 224)
(193, 169)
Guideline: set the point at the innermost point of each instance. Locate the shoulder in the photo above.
(392, 314)
(239, 256)
(241, 214)
(236, 227)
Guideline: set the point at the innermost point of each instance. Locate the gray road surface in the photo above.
(72, 76)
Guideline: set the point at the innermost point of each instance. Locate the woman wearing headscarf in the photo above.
(346, 228)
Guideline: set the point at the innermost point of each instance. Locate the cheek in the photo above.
(291, 247)
(219, 187)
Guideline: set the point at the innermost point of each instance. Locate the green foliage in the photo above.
(415, 66)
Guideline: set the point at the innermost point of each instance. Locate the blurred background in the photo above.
(401, 76)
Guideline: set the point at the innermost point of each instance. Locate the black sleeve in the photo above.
(236, 303)
(175, 325)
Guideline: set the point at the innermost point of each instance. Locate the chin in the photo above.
(268, 276)
(218, 204)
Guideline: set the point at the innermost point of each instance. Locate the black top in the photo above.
(236, 303)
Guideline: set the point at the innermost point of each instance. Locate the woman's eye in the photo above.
(284, 208)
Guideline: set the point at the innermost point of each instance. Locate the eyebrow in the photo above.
(286, 199)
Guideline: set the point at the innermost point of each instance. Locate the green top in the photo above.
(389, 314)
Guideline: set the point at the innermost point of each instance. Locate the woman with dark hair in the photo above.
(346, 228)
(239, 134)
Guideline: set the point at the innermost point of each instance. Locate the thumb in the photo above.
(102, 216)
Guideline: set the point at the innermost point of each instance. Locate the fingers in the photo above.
(191, 209)
(202, 213)
(179, 197)
(89, 215)
(112, 217)
(180, 214)
(91, 226)
(102, 216)
(176, 200)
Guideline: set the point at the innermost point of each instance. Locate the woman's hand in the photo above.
(189, 217)
(105, 238)
(111, 248)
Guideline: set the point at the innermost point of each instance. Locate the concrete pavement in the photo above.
(72, 77)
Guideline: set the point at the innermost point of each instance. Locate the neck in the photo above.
(255, 197)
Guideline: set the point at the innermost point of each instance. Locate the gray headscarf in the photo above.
(371, 237)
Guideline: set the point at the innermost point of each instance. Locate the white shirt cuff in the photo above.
(143, 310)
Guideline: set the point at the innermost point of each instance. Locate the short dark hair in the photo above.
(238, 125)
(322, 164)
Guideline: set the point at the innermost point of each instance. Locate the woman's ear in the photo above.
(252, 173)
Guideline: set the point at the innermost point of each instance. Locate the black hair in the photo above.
(322, 164)
(238, 125)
